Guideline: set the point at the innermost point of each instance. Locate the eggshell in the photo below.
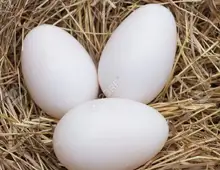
(57, 70)
(138, 58)
(109, 134)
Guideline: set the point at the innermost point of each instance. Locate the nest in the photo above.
(190, 101)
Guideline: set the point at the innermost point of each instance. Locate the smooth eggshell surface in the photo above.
(58, 71)
(138, 58)
(109, 134)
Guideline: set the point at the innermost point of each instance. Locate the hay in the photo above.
(190, 101)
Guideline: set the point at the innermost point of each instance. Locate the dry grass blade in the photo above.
(190, 100)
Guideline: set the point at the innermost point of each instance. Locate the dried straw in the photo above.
(190, 100)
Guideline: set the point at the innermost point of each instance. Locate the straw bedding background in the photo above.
(190, 101)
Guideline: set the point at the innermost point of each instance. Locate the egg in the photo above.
(109, 134)
(58, 71)
(138, 58)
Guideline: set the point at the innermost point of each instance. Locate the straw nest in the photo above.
(190, 101)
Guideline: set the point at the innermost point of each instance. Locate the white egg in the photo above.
(58, 71)
(109, 134)
(138, 58)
